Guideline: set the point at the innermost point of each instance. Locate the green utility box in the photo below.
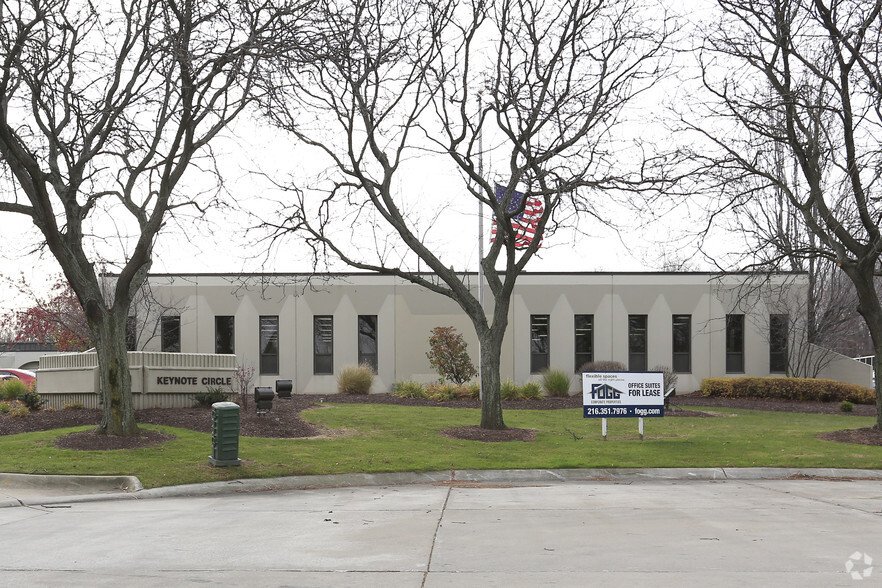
(224, 434)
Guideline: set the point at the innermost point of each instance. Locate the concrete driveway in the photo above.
(633, 528)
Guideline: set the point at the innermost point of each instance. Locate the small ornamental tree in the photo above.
(242, 378)
(448, 355)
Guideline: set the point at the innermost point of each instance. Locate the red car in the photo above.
(25, 376)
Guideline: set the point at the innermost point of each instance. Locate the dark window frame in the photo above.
(681, 343)
(170, 333)
(268, 344)
(779, 335)
(368, 329)
(323, 350)
(225, 344)
(735, 344)
(540, 342)
(638, 333)
(583, 337)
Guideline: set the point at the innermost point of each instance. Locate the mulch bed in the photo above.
(476, 433)
(91, 441)
(865, 436)
(284, 421)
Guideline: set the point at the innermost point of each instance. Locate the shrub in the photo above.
(5, 407)
(603, 366)
(32, 400)
(508, 390)
(211, 395)
(668, 375)
(800, 389)
(530, 391)
(472, 391)
(13, 388)
(19, 410)
(448, 355)
(409, 389)
(438, 391)
(242, 378)
(669, 382)
(556, 383)
(73, 406)
(355, 380)
(846, 406)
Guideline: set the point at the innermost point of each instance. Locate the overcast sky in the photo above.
(225, 242)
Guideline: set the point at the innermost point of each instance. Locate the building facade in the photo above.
(307, 328)
(23, 355)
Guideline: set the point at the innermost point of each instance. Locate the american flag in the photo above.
(523, 224)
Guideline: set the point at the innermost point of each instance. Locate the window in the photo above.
(323, 344)
(778, 331)
(539, 343)
(583, 326)
(170, 333)
(131, 333)
(269, 345)
(637, 342)
(224, 334)
(367, 340)
(681, 331)
(735, 343)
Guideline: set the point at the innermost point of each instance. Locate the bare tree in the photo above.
(802, 78)
(382, 81)
(103, 108)
(822, 318)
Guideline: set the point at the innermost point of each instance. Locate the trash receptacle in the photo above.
(224, 434)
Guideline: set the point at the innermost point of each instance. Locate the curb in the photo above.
(74, 487)
(93, 488)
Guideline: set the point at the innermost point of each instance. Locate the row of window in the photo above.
(322, 343)
(225, 336)
(540, 341)
(681, 342)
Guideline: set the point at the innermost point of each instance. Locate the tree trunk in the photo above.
(114, 379)
(877, 377)
(870, 309)
(491, 403)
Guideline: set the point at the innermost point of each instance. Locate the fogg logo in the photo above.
(604, 392)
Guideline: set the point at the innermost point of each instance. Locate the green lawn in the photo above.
(388, 438)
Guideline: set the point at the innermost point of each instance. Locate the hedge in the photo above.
(801, 389)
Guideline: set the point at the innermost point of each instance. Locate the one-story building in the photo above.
(307, 328)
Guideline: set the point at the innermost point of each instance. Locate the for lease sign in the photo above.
(623, 394)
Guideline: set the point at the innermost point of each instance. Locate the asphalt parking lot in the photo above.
(566, 528)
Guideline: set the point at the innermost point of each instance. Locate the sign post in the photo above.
(623, 394)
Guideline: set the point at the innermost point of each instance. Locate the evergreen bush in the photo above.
(211, 395)
(32, 400)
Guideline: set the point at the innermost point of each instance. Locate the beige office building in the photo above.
(307, 328)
